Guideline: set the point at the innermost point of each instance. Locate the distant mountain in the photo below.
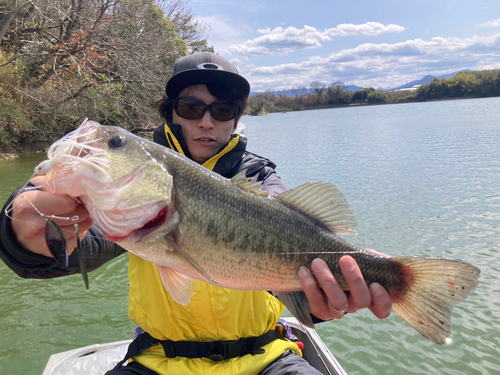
(423, 81)
(290, 92)
(354, 88)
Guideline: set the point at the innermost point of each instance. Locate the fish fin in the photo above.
(242, 181)
(178, 285)
(298, 305)
(432, 289)
(56, 242)
(190, 260)
(325, 202)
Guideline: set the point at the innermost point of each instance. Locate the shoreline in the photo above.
(36, 150)
(12, 155)
(360, 104)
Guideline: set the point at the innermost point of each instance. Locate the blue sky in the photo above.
(281, 44)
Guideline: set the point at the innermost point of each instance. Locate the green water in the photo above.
(423, 179)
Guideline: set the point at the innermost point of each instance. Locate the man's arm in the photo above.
(22, 239)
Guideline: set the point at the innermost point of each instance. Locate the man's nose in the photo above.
(207, 121)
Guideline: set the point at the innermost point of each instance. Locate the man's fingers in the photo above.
(310, 287)
(336, 298)
(382, 303)
(360, 296)
(322, 291)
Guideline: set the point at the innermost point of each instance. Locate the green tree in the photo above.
(338, 94)
(362, 94)
(376, 97)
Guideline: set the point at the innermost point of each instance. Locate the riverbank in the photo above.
(10, 155)
(357, 104)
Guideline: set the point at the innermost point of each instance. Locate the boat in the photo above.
(96, 359)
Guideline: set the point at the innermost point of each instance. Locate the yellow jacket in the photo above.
(213, 314)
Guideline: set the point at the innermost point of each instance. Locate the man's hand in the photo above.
(328, 301)
(29, 227)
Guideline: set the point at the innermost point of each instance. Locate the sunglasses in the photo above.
(194, 109)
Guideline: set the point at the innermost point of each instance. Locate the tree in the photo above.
(103, 59)
(334, 91)
(318, 87)
(362, 94)
(338, 94)
(193, 32)
(295, 91)
(376, 97)
(302, 90)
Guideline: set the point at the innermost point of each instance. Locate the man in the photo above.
(206, 96)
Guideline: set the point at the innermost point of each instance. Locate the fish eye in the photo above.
(117, 141)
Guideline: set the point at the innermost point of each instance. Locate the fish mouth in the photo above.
(152, 224)
(147, 228)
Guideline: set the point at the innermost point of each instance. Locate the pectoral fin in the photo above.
(186, 257)
(298, 305)
(242, 181)
(179, 286)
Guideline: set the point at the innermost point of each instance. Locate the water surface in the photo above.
(423, 179)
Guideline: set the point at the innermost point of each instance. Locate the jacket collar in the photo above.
(226, 162)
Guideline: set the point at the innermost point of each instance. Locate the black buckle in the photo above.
(218, 351)
(216, 357)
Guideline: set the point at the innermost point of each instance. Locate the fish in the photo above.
(195, 224)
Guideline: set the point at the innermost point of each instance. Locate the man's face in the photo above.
(206, 136)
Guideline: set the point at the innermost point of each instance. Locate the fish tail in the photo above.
(430, 289)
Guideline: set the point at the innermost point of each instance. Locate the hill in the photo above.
(291, 92)
(354, 88)
(423, 81)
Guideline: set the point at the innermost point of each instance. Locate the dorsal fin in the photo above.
(325, 202)
(242, 181)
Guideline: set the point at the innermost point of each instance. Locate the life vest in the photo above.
(213, 314)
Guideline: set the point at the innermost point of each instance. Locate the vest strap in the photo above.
(214, 350)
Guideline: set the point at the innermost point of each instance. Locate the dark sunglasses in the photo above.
(194, 109)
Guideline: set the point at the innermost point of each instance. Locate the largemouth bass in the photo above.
(194, 224)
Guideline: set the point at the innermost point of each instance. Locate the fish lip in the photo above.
(116, 238)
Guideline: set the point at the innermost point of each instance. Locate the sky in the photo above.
(283, 44)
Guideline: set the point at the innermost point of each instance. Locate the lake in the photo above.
(422, 178)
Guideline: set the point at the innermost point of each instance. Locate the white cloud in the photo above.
(368, 28)
(382, 64)
(222, 32)
(494, 23)
(283, 41)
